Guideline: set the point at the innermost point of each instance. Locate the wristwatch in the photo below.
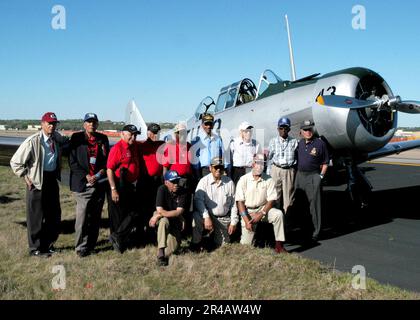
(113, 188)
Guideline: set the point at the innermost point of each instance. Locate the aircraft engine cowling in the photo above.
(360, 130)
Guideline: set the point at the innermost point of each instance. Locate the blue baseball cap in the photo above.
(284, 122)
(89, 116)
(171, 175)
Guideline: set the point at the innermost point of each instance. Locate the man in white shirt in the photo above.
(215, 203)
(242, 151)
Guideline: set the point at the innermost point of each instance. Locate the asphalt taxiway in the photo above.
(384, 238)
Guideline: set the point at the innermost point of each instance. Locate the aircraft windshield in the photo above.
(267, 78)
(206, 105)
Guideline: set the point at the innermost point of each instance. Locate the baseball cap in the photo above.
(131, 128)
(245, 126)
(89, 116)
(307, 124)
(49, 117)
(216, 161)
(284, 122)
(153, 127)
(171, 175)
(207, 118)
(180, 127)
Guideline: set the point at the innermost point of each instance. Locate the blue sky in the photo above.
(169, 54)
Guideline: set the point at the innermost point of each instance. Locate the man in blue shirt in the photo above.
(312, 160)
(206, 146)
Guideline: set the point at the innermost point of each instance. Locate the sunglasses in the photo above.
(310, 129)
(208, 124)
(222, 168)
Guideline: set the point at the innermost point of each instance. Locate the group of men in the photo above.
(149, 185)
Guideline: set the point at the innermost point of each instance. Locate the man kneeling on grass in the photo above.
(170, 205)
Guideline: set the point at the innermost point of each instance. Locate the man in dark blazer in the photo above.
(88, 157)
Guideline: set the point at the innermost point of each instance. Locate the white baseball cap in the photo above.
(245, 126)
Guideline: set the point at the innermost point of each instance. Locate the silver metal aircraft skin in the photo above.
(354, 110)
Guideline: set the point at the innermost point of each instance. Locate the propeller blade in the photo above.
(345, 102)
(412, 107)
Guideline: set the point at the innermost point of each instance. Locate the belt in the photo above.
(283, 166)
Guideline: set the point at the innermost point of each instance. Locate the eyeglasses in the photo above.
(221, 168)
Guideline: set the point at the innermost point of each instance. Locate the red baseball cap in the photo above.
(49, 117)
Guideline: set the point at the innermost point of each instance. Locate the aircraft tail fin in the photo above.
(133, 116)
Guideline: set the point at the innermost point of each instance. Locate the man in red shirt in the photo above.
(150, 179)
(123, 169)
(177, 157)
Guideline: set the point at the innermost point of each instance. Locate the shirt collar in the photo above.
(46, 137)
(124, 144)
(284, 140)
(213, 181)
(205, 136)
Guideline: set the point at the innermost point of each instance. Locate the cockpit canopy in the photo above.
(237, 93)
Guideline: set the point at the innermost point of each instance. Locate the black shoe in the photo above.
(83, 253)
(315, 238)
(40, 254)
(162, 261)
(196, 247)
(115, 244)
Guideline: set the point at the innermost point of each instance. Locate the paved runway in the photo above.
(385, 239)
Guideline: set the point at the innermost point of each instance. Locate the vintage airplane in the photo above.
(354, 111)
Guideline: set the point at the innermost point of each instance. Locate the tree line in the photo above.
(71, 124)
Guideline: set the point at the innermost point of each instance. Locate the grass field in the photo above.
(232, 272)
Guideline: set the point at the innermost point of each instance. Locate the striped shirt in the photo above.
(282, 152)
(242, 153)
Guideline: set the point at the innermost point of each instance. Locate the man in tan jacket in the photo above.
(37, 161)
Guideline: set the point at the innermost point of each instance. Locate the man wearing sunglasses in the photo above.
(216, 209)
(282, 163)
(206, 146)
(312, 162)
(38, 161)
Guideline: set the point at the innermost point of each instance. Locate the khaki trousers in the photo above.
(220, 228)
(88, 217)
(274, 216)
(169, 234)
(285, 185)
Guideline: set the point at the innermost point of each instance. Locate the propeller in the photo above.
(379, 103)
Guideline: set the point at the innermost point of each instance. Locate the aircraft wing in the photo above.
(394, 147)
